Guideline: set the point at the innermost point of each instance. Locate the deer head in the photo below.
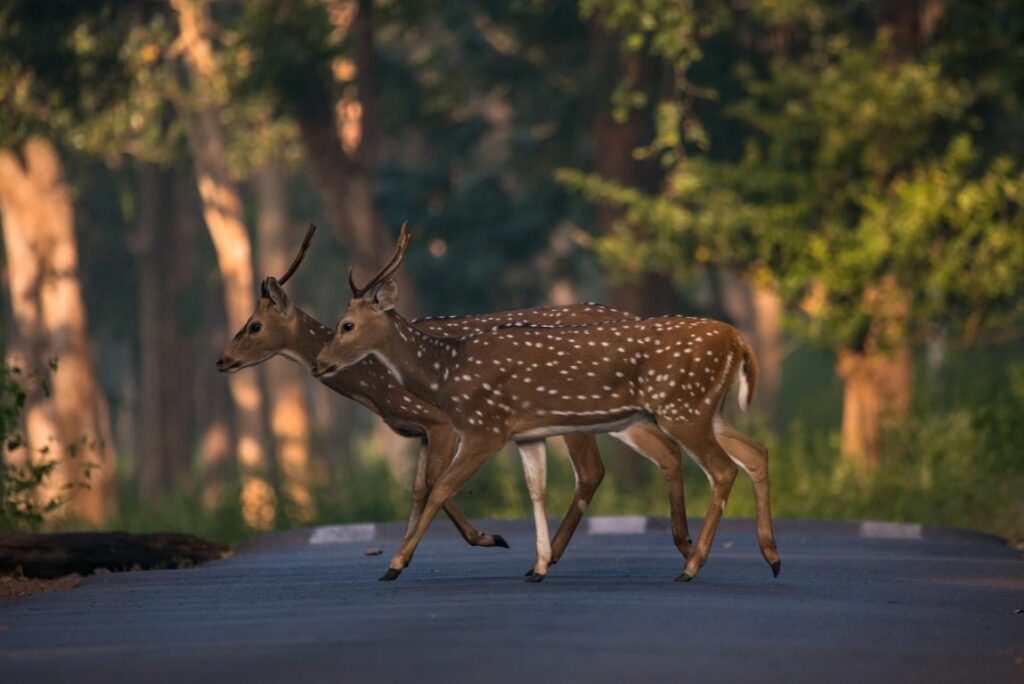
(271, 327)
(364, 326)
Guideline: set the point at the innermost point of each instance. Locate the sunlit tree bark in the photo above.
(757, 310)
(286, 396)
(222, 211)
(72, 423)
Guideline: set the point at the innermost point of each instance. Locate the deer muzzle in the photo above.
(226, 364)
(324, 368)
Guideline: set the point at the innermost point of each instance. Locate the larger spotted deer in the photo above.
(525, 382)
(278, 327)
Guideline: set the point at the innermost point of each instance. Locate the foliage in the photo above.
(24, 498)
(871, 188)
(875, 184)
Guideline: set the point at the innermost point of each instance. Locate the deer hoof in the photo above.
(390, 576)
(684, 578)
(776, 566)
(500, 541)
(533, 577)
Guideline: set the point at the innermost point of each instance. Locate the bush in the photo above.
(22, 504)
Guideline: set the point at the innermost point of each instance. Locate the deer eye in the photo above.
(255, 327)
(348, 326)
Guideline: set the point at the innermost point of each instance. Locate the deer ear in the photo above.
(272, 290)
(385, 295)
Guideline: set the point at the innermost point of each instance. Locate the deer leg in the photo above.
(535, 468)
(700, 443)
(589, 471)
(440, 450)
(651, 443)
(752, 457)
(419, 489)
(473, 451)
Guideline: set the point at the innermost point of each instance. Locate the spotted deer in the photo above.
(524, 382)
(278, 327)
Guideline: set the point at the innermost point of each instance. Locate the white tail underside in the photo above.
(744, 396)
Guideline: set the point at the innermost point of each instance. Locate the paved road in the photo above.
(846, 608)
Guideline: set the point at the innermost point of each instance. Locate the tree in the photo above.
(286, 396)
(318, 59)
(222, 211)
(858, 190)
(70, 424)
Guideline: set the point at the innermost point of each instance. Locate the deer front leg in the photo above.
(535, 468)
(589, 470)
(473, 451)
(419, 489)
(440, 447)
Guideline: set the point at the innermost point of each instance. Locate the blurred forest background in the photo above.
(841, 179)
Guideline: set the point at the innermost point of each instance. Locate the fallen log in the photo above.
(48, 556)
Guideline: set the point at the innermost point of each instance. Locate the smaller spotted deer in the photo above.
(524, 382)
(278, 327)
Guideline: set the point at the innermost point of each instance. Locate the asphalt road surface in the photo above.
(853, 603)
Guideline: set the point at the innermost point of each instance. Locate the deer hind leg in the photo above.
(535, 468)
(752, 457)
(589, 471)
(473, 451)
(440, 449)
(651, 443)
(700, 444)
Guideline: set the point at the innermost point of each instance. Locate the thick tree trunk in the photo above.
(757, 311)
(49, 314)
(286, 396)
(651, 294)
(222, 211)
(344, 181)
(877, 390)
(615, 142)
(165, 351)
(151, 455)
(768, 344)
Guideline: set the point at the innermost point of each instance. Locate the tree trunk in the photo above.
(768, 345)
(222, 211)
(757, 311)
(289, 412)
(42, 260)
(877, 390)
(615, 142)
(166, 353)
(346, 183)
(651, 294)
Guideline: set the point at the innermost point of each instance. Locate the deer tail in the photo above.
(748, 372)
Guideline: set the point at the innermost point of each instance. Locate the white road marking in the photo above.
(877, 529)
(619, 524)
(343, 534)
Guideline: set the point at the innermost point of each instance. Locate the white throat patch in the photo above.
(390, 366)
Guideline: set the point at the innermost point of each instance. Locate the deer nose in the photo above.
(224, 363)
(322, 368)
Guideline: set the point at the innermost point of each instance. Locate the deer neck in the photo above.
(420, 361)
(309, 337)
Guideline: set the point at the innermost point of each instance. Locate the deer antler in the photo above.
(389, 268)
(300, 256)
